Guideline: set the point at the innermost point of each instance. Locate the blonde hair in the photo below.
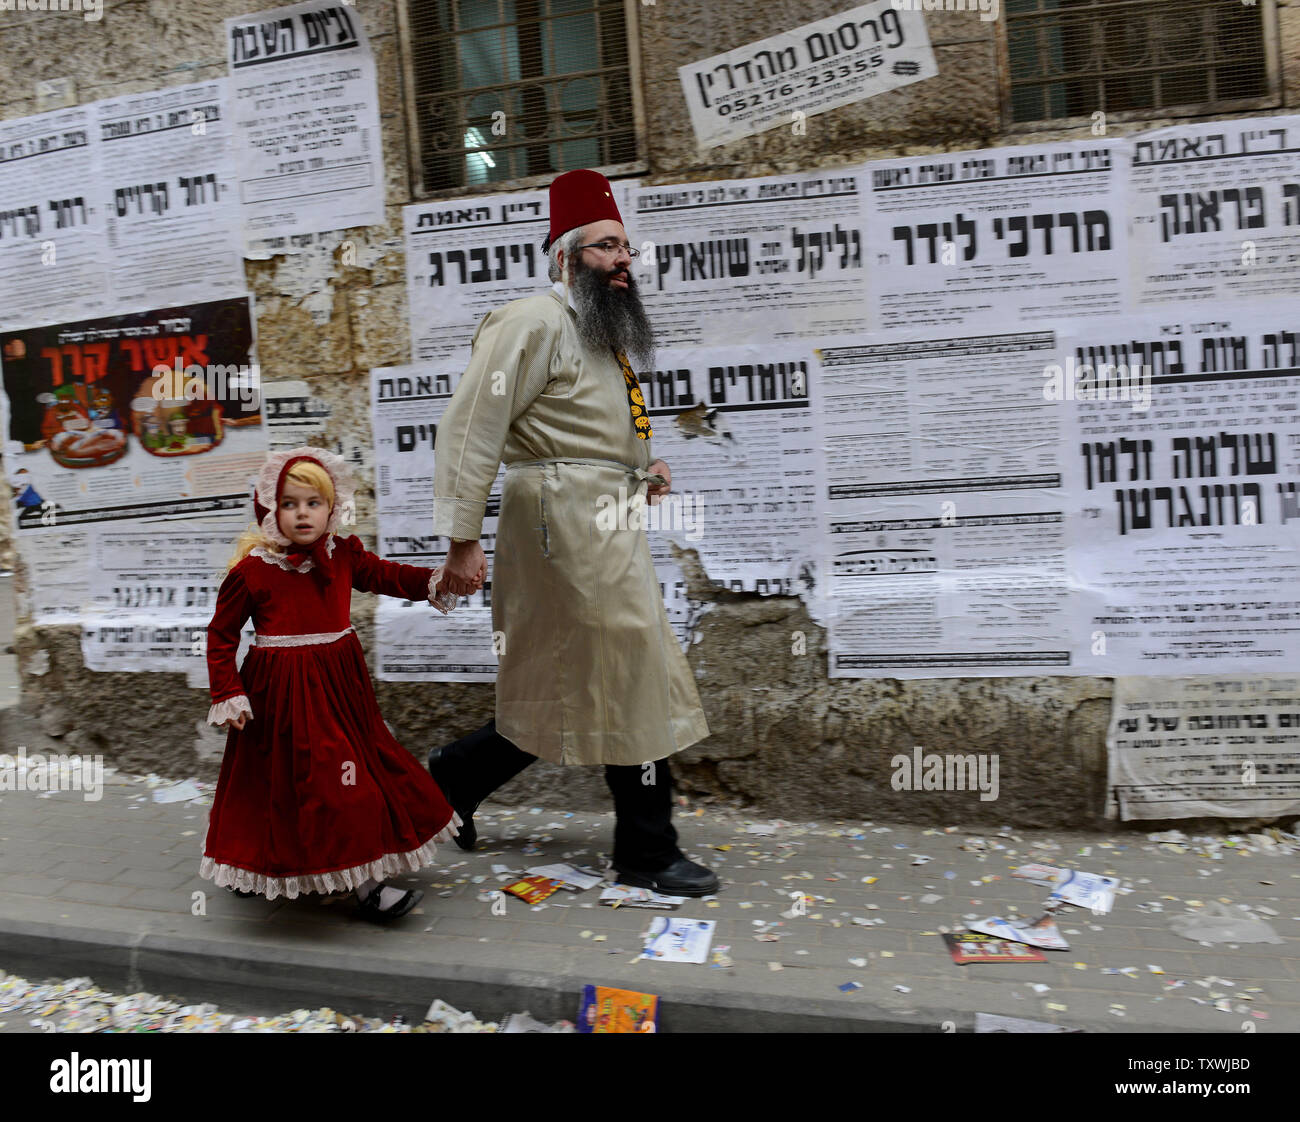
(306, 473)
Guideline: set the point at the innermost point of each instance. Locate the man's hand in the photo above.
(235, 722)
(465, 569)
(656, 491)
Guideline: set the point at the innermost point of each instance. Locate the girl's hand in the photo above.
(236, 722)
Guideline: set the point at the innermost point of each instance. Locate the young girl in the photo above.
(315, 794)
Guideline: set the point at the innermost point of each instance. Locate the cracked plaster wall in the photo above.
(786, 739)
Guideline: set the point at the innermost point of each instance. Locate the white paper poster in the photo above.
(294, 414)
(1222, 747)
(1215, 212)
(414, 643)
(1184, 518)
(153, 590)
(53, 249)
(1002, 238)
(943, 508)
(812, 69)
(750, 260)
(167, 185)
(735, 428)
(306, 121)
(58, 574)
(466, 257)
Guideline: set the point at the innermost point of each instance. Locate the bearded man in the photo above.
(590, 671)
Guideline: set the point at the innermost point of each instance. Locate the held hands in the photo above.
(465, 569)
(655, 492)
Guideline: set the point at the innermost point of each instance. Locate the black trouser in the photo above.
(644, 837)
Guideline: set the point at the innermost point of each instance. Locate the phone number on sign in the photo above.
(861, 66)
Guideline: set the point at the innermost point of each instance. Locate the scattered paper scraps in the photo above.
(533, 890)
(604, 1009)
(626, 896)
(967, 948)
(848, 987)
(526, 1022)
(1041, 933)
(678, 940)
(181, 792)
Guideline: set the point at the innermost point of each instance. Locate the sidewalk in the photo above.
(107, 889)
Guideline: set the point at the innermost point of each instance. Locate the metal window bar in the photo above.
(545, 135)
(1067, 58)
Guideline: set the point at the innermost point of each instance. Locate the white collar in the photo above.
(558, 289)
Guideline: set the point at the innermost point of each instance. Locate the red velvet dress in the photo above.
(315, 794)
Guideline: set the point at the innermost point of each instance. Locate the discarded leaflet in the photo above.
(533, 890)
(603, 1009)
(1041, 933)
(572, 877)
(624, 896)
(678, 940)
(967, 948)
(1084, 890)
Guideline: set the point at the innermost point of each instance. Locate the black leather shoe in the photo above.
(438, 768)
(681, 878)
(371, 910)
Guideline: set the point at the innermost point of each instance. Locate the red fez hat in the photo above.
(579, 198)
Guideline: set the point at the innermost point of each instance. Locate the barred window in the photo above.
(516, 91)
(1070, 58)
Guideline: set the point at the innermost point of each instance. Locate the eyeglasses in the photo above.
(612, 249)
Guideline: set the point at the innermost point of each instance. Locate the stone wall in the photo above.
(786, 739)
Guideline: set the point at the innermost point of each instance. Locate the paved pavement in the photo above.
(110, 889)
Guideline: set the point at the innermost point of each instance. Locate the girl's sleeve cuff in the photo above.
(230, 710)
(447, 601)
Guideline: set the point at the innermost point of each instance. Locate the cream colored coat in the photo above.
(591, 672)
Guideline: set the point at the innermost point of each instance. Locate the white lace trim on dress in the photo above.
(341, 880)
(229, 710)
(301, 640)
(280, 561)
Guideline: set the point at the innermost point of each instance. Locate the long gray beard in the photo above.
(609, 317)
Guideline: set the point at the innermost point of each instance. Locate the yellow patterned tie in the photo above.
(640, 419)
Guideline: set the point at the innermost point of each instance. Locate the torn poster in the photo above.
(735, 427)
(1221, 747)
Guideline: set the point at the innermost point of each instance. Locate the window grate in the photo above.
(508, 91)
(1070, 58)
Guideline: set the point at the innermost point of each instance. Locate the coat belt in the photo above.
(640, 473)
